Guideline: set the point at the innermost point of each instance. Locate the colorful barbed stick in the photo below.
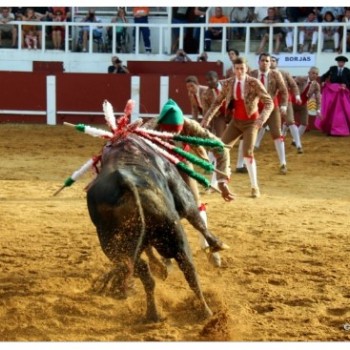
(86, 129)
(76, 175)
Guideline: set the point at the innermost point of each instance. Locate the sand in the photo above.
(284, 278)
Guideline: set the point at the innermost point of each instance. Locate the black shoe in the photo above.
(242, 170)
(293, 144)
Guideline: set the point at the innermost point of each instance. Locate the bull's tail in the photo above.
(135, 192)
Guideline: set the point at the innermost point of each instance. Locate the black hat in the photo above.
(341, 59)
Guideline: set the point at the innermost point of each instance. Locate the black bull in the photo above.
(136, 202)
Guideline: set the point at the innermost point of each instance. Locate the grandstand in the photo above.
(72, 83)
(100, 51)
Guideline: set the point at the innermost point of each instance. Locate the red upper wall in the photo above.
(174, 68)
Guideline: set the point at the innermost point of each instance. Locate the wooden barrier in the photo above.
(79, 96)
(174, 68)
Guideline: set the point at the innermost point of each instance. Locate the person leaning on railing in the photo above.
(31, 33)
(84, 31)
(6, 16)
(120, 31)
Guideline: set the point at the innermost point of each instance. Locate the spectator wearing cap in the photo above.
(338, 74)
(117, 67)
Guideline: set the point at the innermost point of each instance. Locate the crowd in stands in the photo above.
(282, 36)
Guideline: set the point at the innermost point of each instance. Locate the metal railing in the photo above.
(162, 33)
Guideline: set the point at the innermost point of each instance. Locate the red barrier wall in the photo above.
(149, 93)
(76, 92)
(173, 68)
(86, 92)
(23, 91)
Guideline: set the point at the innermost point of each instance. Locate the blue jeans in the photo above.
(145, 31)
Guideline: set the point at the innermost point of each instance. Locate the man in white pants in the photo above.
(274, 84)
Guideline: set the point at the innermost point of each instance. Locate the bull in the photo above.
(136, 202)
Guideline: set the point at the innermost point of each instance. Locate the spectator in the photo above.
(345, 37)
(64, 10)
(298, 14)
(199, 17)
(309, 33)
(18, 12)
(203, 57)
(43, 14)
(57, 33)
(141, 16)
(84, 31)
(119, 30)
(329, 33)
(180, 15)
(6, 16)
(258, 15)
(288, 32)
(240, 15)
(66, 13)
(117, 67)
(30, 31)
(181, 56)
(272, 18)
(215, 33)
(337, 12)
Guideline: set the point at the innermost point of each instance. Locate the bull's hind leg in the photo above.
(142, 271)
(158, 268)
(190, 274)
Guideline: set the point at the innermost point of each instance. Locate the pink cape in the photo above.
(335, 111)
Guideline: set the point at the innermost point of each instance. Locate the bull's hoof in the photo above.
(206, 312)
(214, 259)
(154, 318)
(218, 246)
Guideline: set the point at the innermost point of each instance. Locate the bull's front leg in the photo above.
(198, 223)
(142, 271)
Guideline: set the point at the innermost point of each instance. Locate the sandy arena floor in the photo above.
(286, 276)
